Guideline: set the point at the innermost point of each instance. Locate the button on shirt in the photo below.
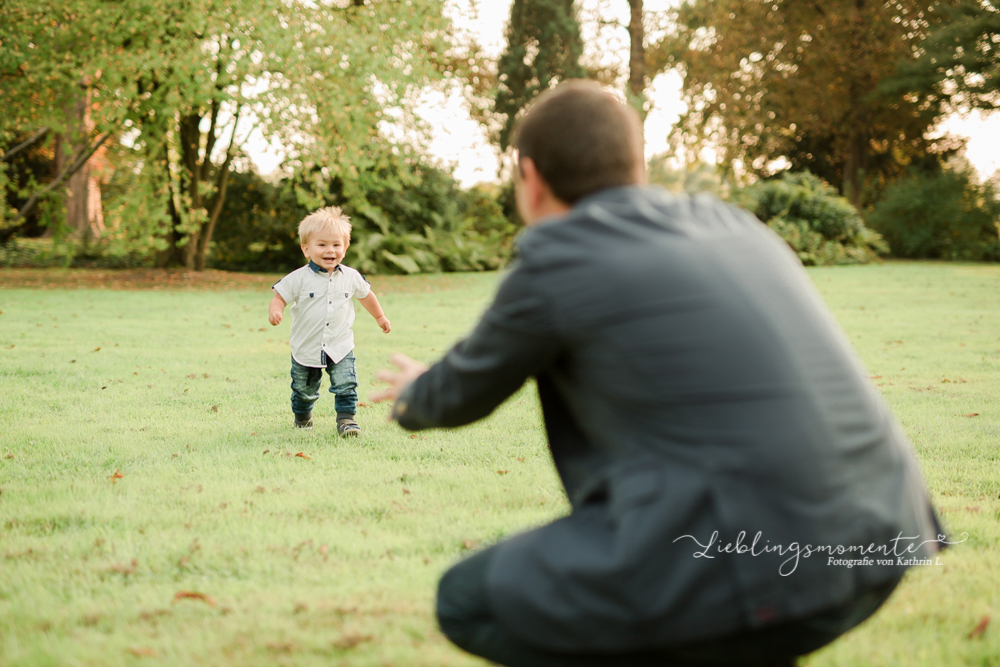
(322, 311)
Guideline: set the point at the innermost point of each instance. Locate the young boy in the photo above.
(321, 295)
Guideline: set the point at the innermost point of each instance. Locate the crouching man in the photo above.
(712, 426)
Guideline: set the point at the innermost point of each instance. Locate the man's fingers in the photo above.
(387, 376)
(384, 395)
(400, 360)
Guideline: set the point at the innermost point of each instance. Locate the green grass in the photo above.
(334, 558)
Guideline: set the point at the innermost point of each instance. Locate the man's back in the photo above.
(693, 385)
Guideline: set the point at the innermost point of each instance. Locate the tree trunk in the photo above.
(857, 148)
(84, 216)
(637, 59)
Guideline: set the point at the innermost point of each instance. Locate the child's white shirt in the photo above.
(322, 311)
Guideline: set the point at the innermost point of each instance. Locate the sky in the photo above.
(460, 142)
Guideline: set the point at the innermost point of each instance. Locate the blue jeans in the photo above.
(343, 384)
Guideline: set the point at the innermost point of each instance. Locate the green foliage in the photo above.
(691, 178)
(959, 60)
(943, 215)
(543, 48)
(175, 76)
(819, 225)
(801, 80)
(44, 253)
(409, 218)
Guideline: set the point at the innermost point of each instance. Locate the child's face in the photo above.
(326, 248)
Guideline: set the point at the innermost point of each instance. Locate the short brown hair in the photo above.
(582, 140)
(330, 219)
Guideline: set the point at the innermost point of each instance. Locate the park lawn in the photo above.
(146, 451)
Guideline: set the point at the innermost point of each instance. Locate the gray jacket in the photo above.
(695, 389)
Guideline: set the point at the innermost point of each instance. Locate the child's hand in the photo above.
(384, 323)
(275, 309)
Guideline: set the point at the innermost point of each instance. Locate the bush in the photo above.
(406, 217)
(943, 215)
(821, 226)
(44, 253)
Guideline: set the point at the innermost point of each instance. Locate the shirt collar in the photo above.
(319, 269)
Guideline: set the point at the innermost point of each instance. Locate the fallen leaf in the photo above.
(350, 640)
(9, 456)
(104, 387)
(971, 414)
(260, 489)
(874, 377)
(142, 651)
(406, 491)
(266, 451)
(285, 647)
(73, 361)
(980, 627)
(973, 509)
(303, 456)
(469, 544)
(502, 472)
(215, 408)
(192, 595)
(97, 349)
(173, 456)
(360, 405)
(427, 560)
(116, 476)
(124, 569)
(521, 459)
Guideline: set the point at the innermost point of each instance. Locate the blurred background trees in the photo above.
(125, 129)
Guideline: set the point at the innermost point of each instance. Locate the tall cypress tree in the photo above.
(543, 48)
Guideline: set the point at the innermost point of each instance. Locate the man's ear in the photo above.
(533, 183)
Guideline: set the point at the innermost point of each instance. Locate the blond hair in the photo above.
(330, 219)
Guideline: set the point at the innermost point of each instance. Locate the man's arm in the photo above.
(276, 309)
(372, 305)
(516, 339)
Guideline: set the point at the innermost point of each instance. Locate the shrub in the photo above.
(943, 215)
(820, 226)
(407, 218)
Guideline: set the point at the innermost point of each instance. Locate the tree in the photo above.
(543, 48)
(959, 60)
(801, 80)
(186, 82)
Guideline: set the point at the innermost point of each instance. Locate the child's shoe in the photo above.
(348, 427)
(306, 423)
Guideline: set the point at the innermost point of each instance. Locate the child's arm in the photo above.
(372, 306)
(275, 310)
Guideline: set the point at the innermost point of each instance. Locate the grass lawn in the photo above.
(156, 507)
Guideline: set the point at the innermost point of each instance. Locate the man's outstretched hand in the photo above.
(409, 370)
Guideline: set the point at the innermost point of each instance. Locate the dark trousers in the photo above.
(465, 617)
(343, 384)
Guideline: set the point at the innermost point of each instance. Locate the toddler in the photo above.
(321, 295)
